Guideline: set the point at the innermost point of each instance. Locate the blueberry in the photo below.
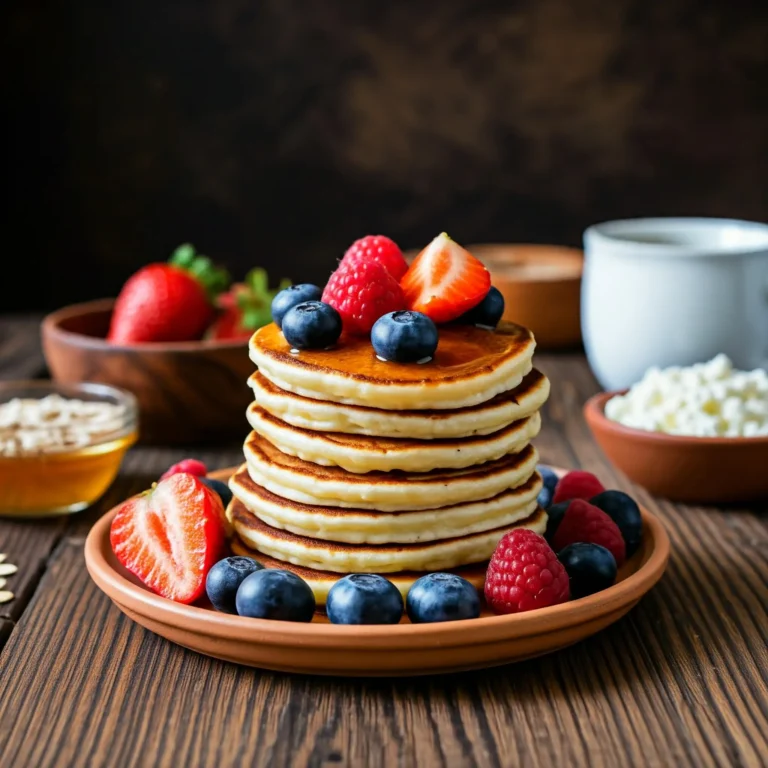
(312, 325)
(220, 487)
(290, 297)
(590, 568)
(487, 312)
(550, 483)
(404, 336)
(554, 516)
(225, 578)
(364, 598)
(275, 594)
(623, 510)
(442, 597)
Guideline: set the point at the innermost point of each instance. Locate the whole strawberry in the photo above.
(361, 292)
(585, 523)
(524, 574)
(378, 248)
(168, 302)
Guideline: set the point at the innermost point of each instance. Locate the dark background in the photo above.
(275, 132)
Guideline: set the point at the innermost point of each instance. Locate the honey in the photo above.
(61, 445)
(60, 483)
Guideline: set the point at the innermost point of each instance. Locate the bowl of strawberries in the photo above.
(177, 338)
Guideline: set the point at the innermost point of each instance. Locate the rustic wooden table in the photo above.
(680, 681)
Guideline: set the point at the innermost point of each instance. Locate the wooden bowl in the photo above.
(321, 648)
(188, 392)
(696, 470)
(541, 285)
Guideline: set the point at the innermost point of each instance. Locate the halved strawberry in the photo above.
(170, 536)
(445, 280)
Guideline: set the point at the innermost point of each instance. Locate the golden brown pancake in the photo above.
(471, 365)
(310, 483)
(371, 558)
(364, 526)
(321, 581)
(324, 416)
(362, 453)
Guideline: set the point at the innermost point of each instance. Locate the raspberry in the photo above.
(524, 573)
(577, 485)
(189, 466)
(584, 522)
(361, 292)
(378, 248)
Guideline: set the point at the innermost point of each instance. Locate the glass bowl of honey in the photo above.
(61, 445)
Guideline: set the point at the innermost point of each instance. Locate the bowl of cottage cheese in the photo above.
(693, 434)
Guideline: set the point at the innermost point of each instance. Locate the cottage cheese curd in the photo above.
(704, 400)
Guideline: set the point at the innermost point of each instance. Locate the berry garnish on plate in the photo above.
(245, 308)
(364, 598)
(170, 536)
(625, 512)
(291, 296)
(378, 248)
(584, 522)
(548, 490)
(555, 514)
(361, 292)
(590, 568)
(524, 574)
(442, 597)
(225, 578)
(445, 280)
(219, 487)
(275, 594)
(577, 485)
(312, 325)
(488, 312)
(190, 466)
(174, 301)
(404, 337)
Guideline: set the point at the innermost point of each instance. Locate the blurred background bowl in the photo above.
(191, 392)
(541, 285)
(694, 470)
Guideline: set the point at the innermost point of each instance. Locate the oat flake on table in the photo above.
(7, 569)
(6, 597)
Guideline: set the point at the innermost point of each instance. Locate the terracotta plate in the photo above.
(322, 648)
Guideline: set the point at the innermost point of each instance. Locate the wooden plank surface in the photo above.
(680, 681)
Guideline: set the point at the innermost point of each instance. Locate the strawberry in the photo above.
(361, 292)
(170, 536)
(245, 308)
(381, 249)
(445, 280)
(168, 302)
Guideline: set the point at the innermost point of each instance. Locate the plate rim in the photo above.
(485, 630)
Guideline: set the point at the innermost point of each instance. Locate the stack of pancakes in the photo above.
(359, 465)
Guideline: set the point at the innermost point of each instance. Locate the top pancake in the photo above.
(471, 365)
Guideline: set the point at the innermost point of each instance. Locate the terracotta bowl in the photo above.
(188, 392)
(696, 470)
(541, 285)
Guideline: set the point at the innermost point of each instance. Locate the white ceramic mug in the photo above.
(673, 291)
